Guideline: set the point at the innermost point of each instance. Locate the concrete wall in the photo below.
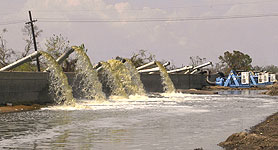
(152, 82)
(32, 87)
(24, 88)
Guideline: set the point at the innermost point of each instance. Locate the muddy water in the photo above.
(175, 121)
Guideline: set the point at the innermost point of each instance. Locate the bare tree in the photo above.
(5, 53)
(56, 46)
(27, 31)
(195, 61)
(142, 57)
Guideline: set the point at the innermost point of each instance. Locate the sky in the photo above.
(173, 30)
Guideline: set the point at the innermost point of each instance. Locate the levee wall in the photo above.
(24, 88)
(32, 87)
(152, 82)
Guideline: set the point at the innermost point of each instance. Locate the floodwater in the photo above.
(175, 121)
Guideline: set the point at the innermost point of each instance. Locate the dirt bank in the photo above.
(263, 136)
(273, 90)
(17, 108)
(217, 88)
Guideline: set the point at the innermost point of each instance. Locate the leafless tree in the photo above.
(5, 53)
(195, 61)
(56, 46)
(27, 32)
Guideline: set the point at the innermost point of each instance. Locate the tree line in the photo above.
(239, 61)
(234, 60)
(56, 45)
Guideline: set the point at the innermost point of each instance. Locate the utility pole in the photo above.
(34, 38)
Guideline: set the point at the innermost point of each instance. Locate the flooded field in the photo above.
(173, 121)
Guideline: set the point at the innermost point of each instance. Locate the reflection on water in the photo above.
(174, 121)
(241, 92)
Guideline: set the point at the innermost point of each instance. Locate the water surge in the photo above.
(167, 83)
(113, 81)
(124, 76)
(90, 85)
(59, 87)
(135, 77)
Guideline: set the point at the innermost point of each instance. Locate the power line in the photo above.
(31, 22)
(174, 7)
(12, 22)
(154, 19)
(164, 19)
(140, 9)
(54, 20)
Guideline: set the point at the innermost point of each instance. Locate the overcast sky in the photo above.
(170, 40)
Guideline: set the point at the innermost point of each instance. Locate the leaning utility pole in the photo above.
(34, 38)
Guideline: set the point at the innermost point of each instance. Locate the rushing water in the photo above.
(87, 76)
(135, 77)
(124, 76)
(167, 83)
(113, 81)
(59, 87)
(173, 121)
